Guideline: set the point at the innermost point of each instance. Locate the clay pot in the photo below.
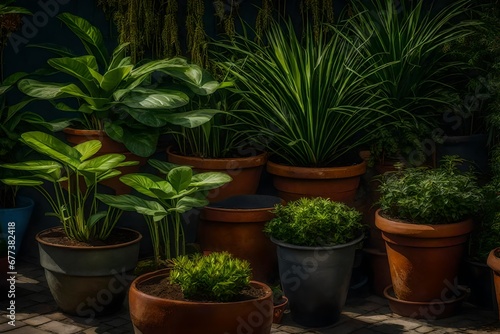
(154, 315)
(336, 183)
(380, 275)
(279, 309)
(236, 225)
(88, 281)
(494, 263)
(76, 136)
(423, 259)
(245, 172)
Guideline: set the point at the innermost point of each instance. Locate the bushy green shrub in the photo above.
(216, 277)
(314, 222)
(430, 196)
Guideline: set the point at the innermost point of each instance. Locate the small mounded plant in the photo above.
(314, 222)
(217, 277)
(430, 196)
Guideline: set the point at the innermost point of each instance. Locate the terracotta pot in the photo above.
(279, 309)
(380, 275)
(245, 172)
(235, 225)
(424, 259)
(494, 263)
(337, 183)
(88, 281)
(154, 315)
(76, 136)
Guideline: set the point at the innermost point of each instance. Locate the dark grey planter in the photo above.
(89, 281)
(316, 280)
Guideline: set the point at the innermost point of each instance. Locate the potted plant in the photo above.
(119, 99)
(235, 225)
(407, 40)
(219, 145)
(201, 294)
(425, 217)
(86, 257)
(316, 241)
(168, 198)
(494, 264)
(308, 103)
(280, 303)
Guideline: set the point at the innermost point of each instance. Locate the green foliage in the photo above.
(406, 40)
(486, 236)
(306, 101)
(74, 173)
(217, 277)
(169, 197)
(315, 222)
(119, 97)
(221, 137)
(430, 196)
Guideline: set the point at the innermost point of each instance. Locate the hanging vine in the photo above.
(196, 37)
(320, 11)
(226, 14)
(264, 19)
(170, 33)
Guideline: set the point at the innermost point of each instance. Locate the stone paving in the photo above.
(36, 313)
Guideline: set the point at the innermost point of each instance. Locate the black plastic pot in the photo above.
(471, 148)
(316, 280)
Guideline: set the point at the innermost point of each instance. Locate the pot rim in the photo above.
(46, 243)
(493, 261)
(358, 240)
(219, 163)
(424, 231)
(29, 200)
(74, 131)
(317, 172)
(164, 272)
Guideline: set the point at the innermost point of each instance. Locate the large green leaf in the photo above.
(89, 35)
(95, 218)
(155, 99)
(162, 166)
(142, 183)
(22, 183)
(52, 147)
(132, 203)
(88, 149)
(47, 90)
(187, 203)
(141, 142)
(149, 117)
(180, 178)
(102, 163)
(190, 119)
(118, 56)
(61, 51)
(47, 169)
(164, 190)
(113, 78)
(210, 180)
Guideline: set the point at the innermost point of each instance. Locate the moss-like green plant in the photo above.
(430, 196)
(314, 222)
(217, 277)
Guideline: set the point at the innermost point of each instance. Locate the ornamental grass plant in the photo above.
(307, 101)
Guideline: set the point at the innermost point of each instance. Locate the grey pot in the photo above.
(88, 281)
(316, 280)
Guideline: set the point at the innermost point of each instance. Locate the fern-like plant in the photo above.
(430, 196)
(217, 277)
(315, 222)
